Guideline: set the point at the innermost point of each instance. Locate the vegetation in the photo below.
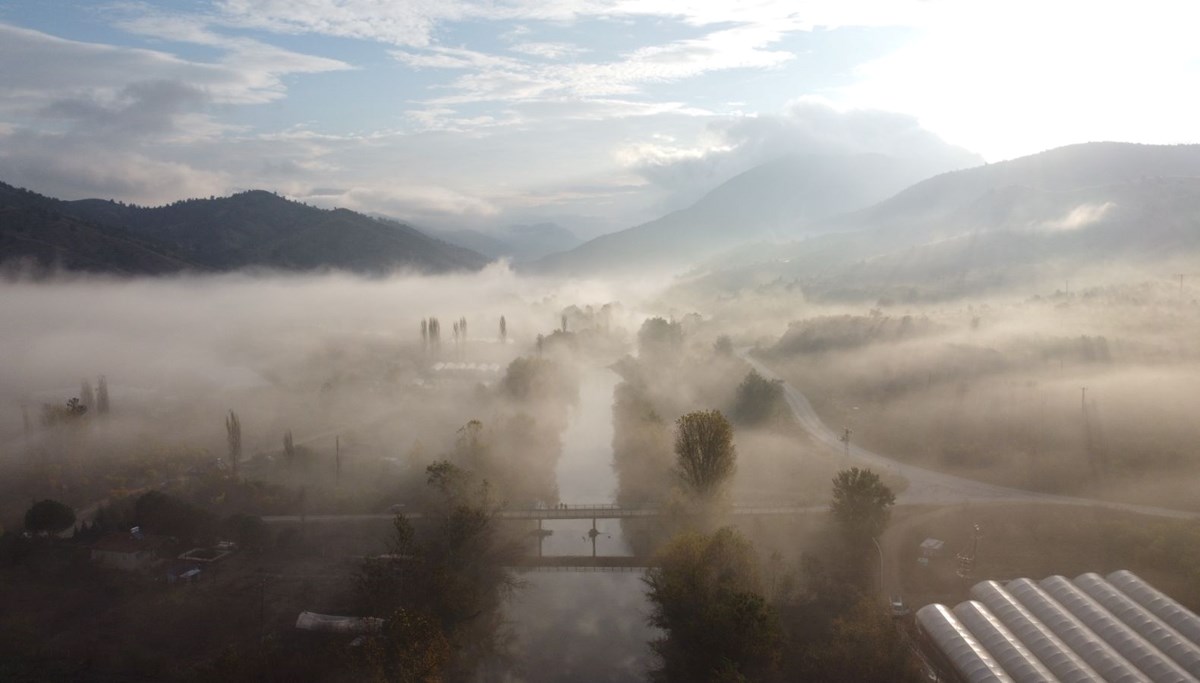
(759, 400)
(706, 595)
(445, 581)
(49, 516)
(705, 456)
(861, 504)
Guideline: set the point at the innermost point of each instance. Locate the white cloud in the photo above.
(1018, 77)
(549, 50)
(684, 170)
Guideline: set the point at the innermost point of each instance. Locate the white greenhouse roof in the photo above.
(1117, 629)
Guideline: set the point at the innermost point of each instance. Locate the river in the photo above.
(584, 626)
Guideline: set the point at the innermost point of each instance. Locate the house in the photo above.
(131, 551)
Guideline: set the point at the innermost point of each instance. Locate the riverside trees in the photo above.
(705, 456)
(442, 585)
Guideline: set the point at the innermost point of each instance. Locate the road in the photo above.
(927, 486)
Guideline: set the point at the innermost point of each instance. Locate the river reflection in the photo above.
(584, 626)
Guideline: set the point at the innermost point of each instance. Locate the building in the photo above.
(1092, 628)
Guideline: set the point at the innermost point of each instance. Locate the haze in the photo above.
(612, 341)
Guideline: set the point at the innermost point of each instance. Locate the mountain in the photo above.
(1071, 206)
(35, 234)
(250, 229)
(780, 198)
(520, 243)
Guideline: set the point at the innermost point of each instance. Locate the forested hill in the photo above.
(250, 229)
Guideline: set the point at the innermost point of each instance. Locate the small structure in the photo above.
(932, 547)
(131, 552)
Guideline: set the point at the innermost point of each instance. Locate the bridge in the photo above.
(560, 512)
(580, 563)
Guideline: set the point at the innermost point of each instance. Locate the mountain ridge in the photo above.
(255, 228)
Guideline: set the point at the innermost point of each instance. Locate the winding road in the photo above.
(927, 486)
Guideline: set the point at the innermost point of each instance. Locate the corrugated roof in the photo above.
(1120, 630)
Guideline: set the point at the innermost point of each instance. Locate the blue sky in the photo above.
(596, 114)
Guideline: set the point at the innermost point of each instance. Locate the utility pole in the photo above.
(845, 439)
(337, 460)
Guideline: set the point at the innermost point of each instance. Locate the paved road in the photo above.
(927, 486)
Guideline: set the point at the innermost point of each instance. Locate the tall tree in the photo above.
(705, 455)
(102, 396)
(87, 397)
(233, 433)
(862, 504)
(659, 340)
(289, 448)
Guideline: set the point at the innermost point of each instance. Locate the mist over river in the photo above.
(577, 626)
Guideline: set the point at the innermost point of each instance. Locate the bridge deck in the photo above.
(569, 512)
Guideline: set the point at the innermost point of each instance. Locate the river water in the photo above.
(584, 626)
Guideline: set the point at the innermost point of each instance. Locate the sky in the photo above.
(595, 114)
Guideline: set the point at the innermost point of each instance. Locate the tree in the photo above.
(102, 396)
(863, 645)
(66, 414)
(705, 594)
(289, 449)
(758, 399)
(87, 398)
(861, 504)
(503, 329)
(723, 346)
(705, 456)
(452, 572)
(659, 340)
(233, 432)
(49, 516)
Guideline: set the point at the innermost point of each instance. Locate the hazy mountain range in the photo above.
(782, 198)
(519, 243)
(250, 229)
(849, 224)
(1077, 205)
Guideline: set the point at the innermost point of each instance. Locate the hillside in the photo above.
(259, 228)
(783, 198)
(36, 236)
(1071, 206)
(250, 229)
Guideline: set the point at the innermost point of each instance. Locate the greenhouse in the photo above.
(1092, 628)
